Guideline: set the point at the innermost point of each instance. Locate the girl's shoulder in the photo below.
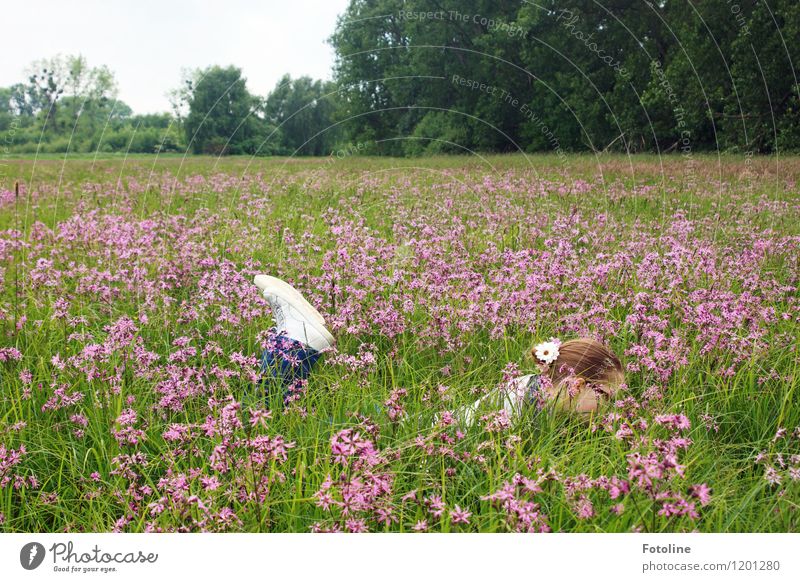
(521, 391)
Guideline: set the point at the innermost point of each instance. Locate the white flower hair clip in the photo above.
(547, 352)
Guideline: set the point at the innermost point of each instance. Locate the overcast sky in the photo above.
(146, 43)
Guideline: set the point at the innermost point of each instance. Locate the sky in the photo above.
(147, 43)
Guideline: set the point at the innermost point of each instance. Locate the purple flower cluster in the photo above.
(132, 338)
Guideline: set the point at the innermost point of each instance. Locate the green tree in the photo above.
(221, 118)
(6, 108)
(304, 112)
(766, 67)
(616, 75)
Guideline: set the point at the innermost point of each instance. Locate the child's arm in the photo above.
(510, 398)
(466, 414)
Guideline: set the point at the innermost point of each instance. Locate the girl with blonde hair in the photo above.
(573, 376)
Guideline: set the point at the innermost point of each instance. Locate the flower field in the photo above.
(131, 333)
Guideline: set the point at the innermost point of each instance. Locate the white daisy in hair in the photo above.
(547, 352)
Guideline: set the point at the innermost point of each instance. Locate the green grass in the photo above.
(298, 198)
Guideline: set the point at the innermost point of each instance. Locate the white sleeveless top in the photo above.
(513, 398)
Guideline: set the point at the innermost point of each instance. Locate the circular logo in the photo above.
(31, 555)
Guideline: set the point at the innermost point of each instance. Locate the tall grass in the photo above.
(171, 245)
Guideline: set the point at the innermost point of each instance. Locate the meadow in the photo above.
(131, 397)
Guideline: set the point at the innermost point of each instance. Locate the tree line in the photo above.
(449, 76)
(65, 105)
(499, 75)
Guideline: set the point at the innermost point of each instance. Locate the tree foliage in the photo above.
(304, 112)
(222, 115)
(66, 105)
(504, 75)
(413, 77)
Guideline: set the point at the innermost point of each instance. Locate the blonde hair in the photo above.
(587, 359)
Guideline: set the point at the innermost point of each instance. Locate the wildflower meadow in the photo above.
(132, 398)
